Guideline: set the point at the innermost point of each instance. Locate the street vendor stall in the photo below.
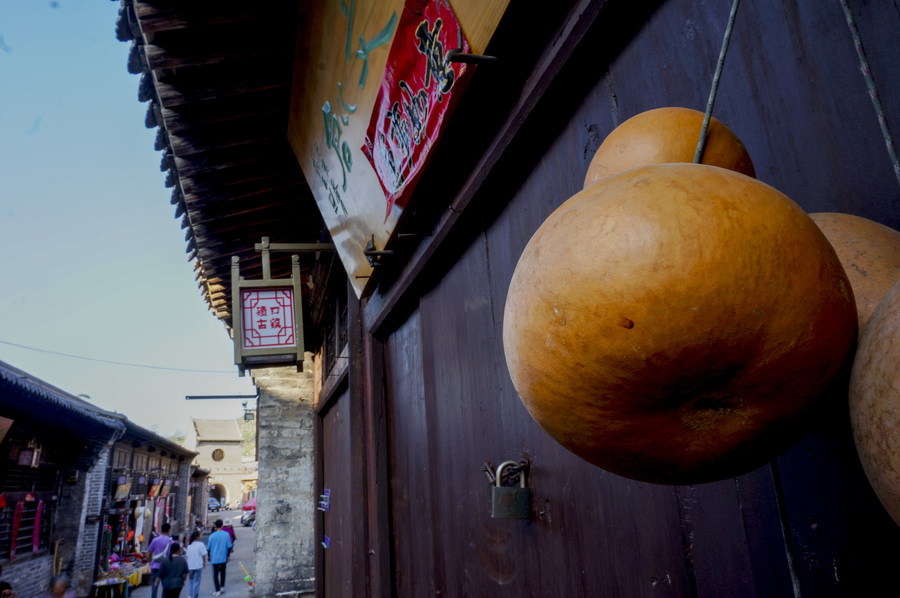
(122, 574)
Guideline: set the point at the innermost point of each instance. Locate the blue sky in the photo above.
(92, 259)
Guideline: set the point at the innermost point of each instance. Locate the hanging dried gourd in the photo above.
(677, 323)
(875, 401)
(667, 135)
(870, 254)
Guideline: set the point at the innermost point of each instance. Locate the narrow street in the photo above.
(235, 586)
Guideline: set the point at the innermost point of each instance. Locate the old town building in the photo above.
(220, 450)
(77, 483)
(292, 129)
(55, 449)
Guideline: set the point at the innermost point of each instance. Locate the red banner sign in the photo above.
(268, 318)
(414, 96)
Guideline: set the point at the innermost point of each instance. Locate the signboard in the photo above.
(154, 488)
(414, 97)
(164, 492)
(342, 51)
(268, 318)
(122, 489)
(268, 321)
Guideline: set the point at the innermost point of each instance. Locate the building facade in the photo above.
(149, 485)
(411, 401)
(78, 483)
(219, 447)
(55, 450)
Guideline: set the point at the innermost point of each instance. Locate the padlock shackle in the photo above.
(498, 478)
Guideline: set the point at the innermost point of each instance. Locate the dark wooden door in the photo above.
(807, 524)
(336, 522)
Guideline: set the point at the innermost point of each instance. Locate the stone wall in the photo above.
(29, 578)
(285, 539)
(78, 550)
(184, 490)
(86, 559)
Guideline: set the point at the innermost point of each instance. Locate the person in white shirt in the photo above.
(196, 559)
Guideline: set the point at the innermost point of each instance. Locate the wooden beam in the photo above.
(197, 142)
(161, 58)
(228, 238)
(212, 216)
(220, 159)
(174, 95)
(226, 109)
(298, 189)
(187, 15)
(262, 174)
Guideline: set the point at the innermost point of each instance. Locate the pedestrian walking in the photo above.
(173, 572)
(159, 551)
(196, 554)
(218, 546)
(230, 529)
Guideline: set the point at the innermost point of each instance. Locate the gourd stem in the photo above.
(701, 143)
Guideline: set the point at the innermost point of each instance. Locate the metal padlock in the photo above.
(510, 502)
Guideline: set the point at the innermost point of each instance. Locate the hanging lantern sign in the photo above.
(267, 313)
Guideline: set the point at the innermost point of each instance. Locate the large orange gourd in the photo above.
(677, 323)
(665, 135)
(875, 401)
(870, 254)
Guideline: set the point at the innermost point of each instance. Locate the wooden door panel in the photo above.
(337, 521)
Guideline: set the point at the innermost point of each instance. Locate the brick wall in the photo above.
(30, 578)
(184, 491)
(77, 541)
(85, 560)
(78, 549)
(285, 539)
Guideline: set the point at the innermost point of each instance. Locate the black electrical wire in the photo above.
(133, 365)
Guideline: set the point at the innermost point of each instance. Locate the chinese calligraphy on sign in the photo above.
(338, 117)
(268, 318)
(414, 96)
(345, 48)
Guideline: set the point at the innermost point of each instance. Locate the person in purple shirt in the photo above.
(218, 545)
(160, 544)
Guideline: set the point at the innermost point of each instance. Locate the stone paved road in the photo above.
(235, 587)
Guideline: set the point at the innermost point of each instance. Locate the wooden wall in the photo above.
(805, 525)
(336, 523)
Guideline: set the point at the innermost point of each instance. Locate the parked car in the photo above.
(248, 518)
(213, 504)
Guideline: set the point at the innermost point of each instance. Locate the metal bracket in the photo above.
(457, 55)
(374, 255)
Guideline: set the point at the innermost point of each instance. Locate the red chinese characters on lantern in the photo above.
(268, 318)
(415, 96)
